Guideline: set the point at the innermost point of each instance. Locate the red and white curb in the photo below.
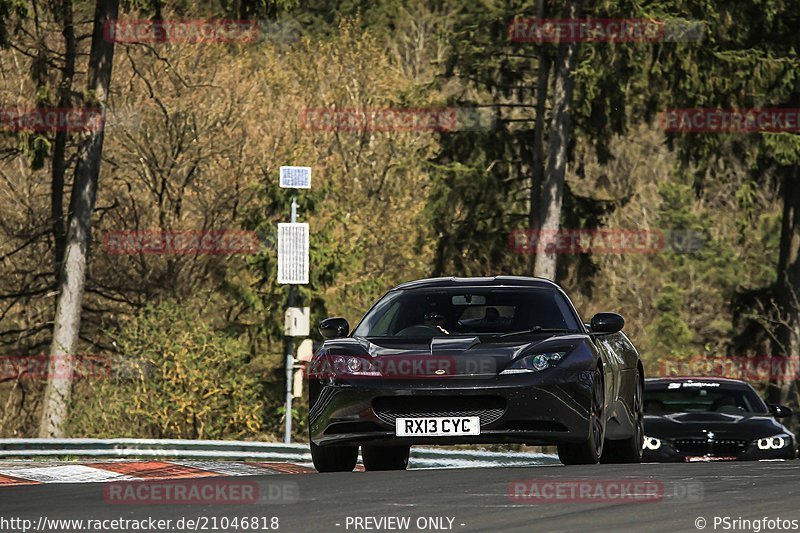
(110, 460)
(104, 472)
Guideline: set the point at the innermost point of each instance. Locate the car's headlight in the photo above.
(651, 443)
(353, 366)
(341, 366)
(774, 443)
(534, 363)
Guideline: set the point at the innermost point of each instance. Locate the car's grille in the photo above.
(532, 425)
(488, 408)
(353, 427)
(716, 448)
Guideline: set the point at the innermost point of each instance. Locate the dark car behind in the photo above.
(712, 419)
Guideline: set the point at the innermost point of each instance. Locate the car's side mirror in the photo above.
(606, 323)
(780, 411)
(334, 327)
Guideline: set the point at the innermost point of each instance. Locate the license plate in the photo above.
(438, 426)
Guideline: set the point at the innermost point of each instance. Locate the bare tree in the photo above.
(537, 151)
(60, 143)
(552, 188)
(72, 279)
(783, 388)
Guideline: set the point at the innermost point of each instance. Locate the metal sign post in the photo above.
(293, 253)
(287, 433)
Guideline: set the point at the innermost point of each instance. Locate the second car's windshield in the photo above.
(685, 397)
(440, 311)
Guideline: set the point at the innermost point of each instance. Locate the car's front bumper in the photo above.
(669, 453)
(546, 407)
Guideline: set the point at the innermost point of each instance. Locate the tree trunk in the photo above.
(552, 192)
(783, 386)
(537, 166)
(82, 201)
(60, 144)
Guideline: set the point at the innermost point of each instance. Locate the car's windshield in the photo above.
(699, 396)
(431, 312)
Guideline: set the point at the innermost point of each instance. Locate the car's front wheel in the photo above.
(589, 451)
(334, 458)
(385, 457)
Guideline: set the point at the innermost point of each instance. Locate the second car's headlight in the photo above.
(534, 363)
(651, 443)
(774, 443)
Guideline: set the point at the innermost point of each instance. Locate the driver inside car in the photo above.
(436, 320)
(491, 316)
(726, 404)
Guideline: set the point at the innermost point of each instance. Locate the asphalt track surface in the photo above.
(477, 499)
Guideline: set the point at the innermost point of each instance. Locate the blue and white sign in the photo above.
(295, 177)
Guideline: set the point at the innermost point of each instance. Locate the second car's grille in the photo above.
(716, 448)
(488, 408)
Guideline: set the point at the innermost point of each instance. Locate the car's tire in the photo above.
(589, 451)
(334, 458)
(629, 450)
(385, 457)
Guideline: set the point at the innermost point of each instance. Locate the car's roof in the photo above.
(515, 281)
(684, 379)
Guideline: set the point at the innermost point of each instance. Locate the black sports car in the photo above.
(712, 419)
(474, 360)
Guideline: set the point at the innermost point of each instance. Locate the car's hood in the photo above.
(723, 425)
(469, 353)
